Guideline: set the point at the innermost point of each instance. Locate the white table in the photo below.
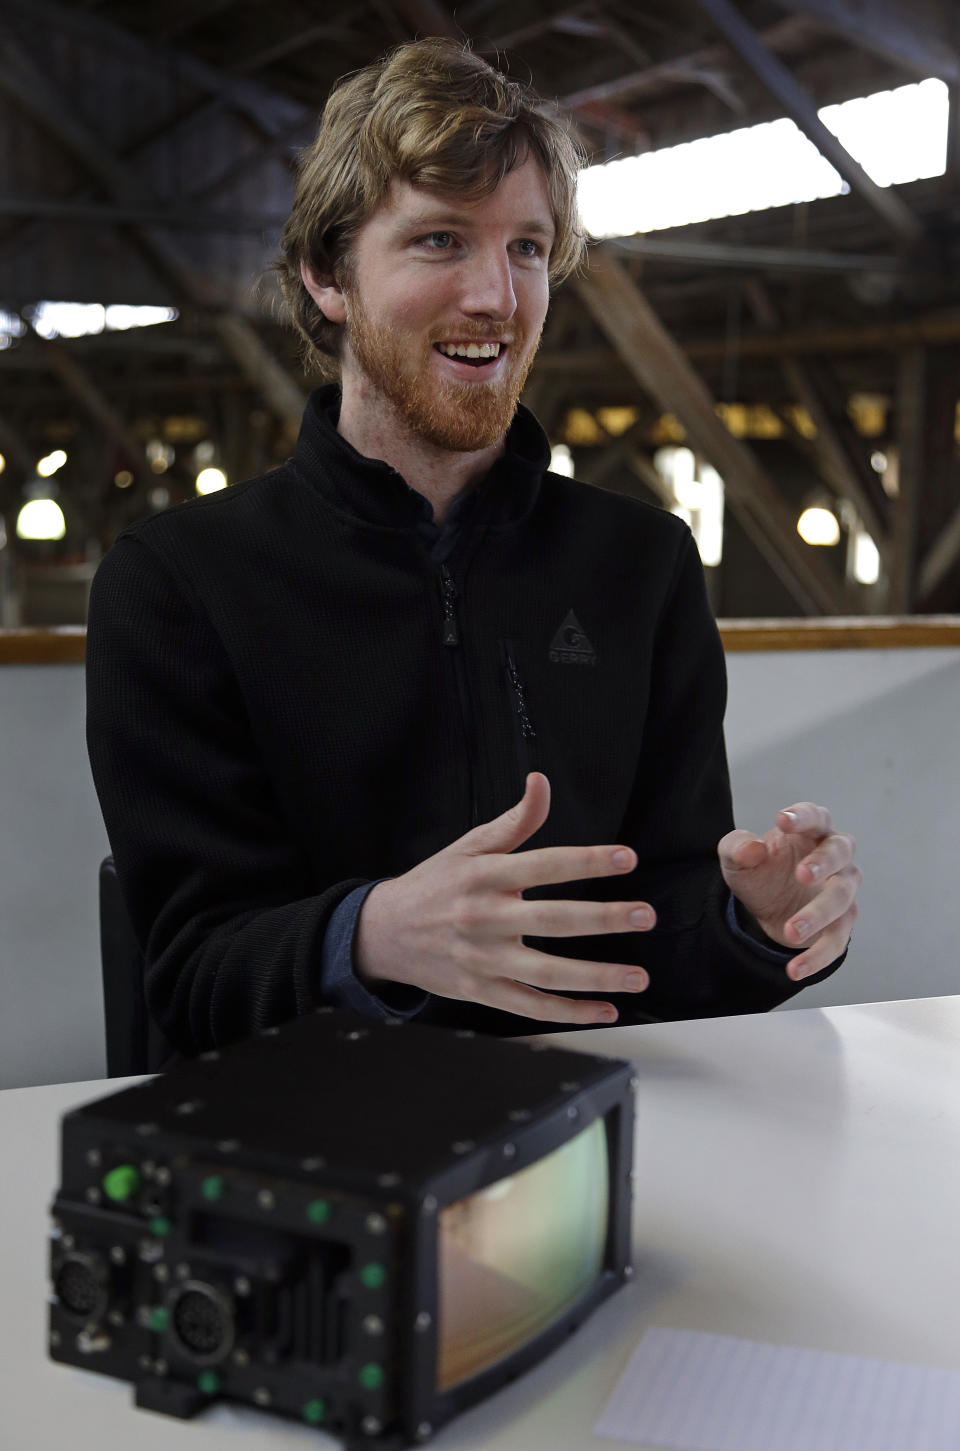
(798, 1182)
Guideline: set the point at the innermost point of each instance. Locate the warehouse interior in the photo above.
(795, 355)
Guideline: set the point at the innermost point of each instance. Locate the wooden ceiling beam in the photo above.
(897, 32)
(799, 105)
(27, 87)
(910, 411)
(772, 259)
(838, 448)
(660, 367)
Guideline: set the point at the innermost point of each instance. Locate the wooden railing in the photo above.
(66, 644)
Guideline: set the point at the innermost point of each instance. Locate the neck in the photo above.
(371, 425)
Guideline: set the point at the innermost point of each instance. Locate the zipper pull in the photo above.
(449, 589)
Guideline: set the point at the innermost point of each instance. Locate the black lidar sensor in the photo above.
(363, 1226)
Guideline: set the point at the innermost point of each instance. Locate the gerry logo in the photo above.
(570, 645)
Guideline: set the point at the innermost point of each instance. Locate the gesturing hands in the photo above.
(454, 925)
(799, 881)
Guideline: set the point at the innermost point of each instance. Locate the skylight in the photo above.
(896, 136)
(80, 319)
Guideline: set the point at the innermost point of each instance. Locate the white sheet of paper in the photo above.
(697, 1392)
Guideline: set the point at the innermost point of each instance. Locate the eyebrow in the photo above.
(436, 221)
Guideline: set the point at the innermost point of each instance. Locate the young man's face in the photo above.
(430, 271)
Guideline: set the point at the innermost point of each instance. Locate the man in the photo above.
(327, 707)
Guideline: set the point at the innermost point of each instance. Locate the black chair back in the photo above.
(134, 1042)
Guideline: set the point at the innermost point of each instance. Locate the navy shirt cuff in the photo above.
(339, 984)
(758, 940)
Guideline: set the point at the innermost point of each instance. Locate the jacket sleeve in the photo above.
(218, 891)
(679, 809)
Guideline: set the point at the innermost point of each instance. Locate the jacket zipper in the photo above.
(521, 713)
(450, 636)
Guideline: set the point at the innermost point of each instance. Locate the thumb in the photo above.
(518, 823)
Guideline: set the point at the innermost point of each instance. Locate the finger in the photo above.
(571, 919)
(826, 949)
(549, 864)
(527, 1002)
(515, 825)
(561, 974)
(741, 850)
(826, 907)
(805, 817)
(832, 855)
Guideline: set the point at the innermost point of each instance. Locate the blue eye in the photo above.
(441, 239)
(535, 248)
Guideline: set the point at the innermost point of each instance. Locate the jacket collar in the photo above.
(373, 491)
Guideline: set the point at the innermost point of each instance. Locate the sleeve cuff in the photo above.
(339, 985)
(747, 929)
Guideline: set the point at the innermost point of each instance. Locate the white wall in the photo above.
(870, 733)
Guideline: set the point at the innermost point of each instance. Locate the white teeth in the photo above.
(470, 350)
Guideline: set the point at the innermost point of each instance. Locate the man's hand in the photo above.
(454, 924)
(799, 881)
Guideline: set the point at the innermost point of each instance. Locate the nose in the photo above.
(488, 285)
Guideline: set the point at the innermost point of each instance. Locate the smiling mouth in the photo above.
(478, 355)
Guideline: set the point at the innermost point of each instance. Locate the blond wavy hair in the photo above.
(433, 114)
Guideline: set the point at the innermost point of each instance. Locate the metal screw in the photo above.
(93, 1195)
(228, 1146)
(370, 1425)
(424, 1430)
(144, 1362)
(265, 1199)
(423, 1321)
(429, 1203)
(182, 1272)
(270, 1032)
(159, 1367)
(628, 1272)
(68, 1241)
(314, 1163)
(262, 1396)
(94, 1157)
(210, 1057)
(634, 1082)
(463, 1146)
(376, 1223)
(388, 1181)
(519, 1115)
(465, 1033)
(147, 1129)
(372, 1325)
(161, 1273)
(115, 1317)
(573, 1112)
(570, 1086)
(509, 1150)
(118, 1254)
(241, 1357)
(162, 1175)
(539, 1047)
(55, 1337)
(241, 1285)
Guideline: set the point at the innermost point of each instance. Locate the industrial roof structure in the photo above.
(146, 158)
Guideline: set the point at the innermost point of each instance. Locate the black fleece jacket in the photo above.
(288, 697)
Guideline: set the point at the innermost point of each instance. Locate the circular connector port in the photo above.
(201, 1325)
(81, 1284)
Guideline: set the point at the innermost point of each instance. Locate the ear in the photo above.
(325, 293)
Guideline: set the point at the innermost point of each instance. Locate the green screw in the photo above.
(373, 1275)
(314, 1412)
(318, 1212)
(212, 1187)
(160, 1225)
(371, 1376)
(159, 1319)
(121, 1182)
(209, 1382)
